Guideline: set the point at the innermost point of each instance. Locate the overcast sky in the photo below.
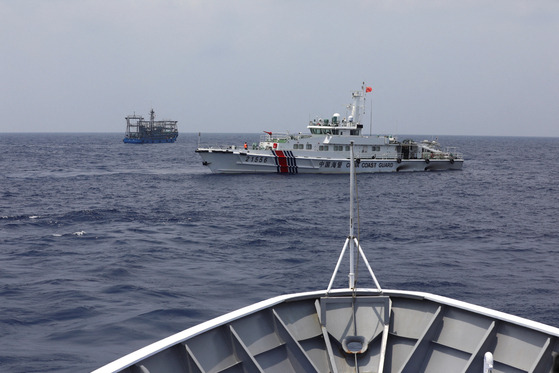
(437, 67)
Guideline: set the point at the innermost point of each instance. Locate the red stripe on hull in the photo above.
(282, 160)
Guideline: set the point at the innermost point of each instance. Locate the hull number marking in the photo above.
(256, 159)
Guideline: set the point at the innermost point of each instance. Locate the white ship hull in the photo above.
(233, 161)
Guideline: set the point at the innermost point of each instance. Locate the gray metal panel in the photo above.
(300, 360)
(248, 362)
(277, 360)
(360, 319)
(192, 364)
(518, 347)
(397, 352)
(368, 315)
(300, 318)
(213, 349)
(544, 363)
(440, 358)
(463, 330)
(410, 317)
(316, 352)
(170, 360)
(503, 368)
(487, 343)
(301, 321)
(257, 332)
(423, 347)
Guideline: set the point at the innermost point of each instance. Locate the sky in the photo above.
(437, 67)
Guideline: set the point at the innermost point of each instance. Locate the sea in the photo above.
(106, 247)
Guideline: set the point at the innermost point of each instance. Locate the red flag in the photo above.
(368, 89)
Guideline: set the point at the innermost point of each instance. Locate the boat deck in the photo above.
(393, 331)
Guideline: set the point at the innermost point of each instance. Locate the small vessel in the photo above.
(325, 150)
(140, 131)
(354, 330)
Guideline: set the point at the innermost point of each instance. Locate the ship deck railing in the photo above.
(282, 137)
(219, 147)
(442, 155)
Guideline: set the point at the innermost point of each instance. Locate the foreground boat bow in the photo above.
(398, 331)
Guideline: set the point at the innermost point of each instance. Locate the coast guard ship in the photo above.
(325, 150)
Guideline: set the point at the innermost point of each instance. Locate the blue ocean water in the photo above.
(106, 247)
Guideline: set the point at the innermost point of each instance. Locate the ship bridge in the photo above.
(335, 126)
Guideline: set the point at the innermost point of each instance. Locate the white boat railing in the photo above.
(218, 147)
(281, 137)
(442, 155)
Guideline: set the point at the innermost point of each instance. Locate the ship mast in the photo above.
(356, 107)
(351, 240)
(351, 211)
(151, 119)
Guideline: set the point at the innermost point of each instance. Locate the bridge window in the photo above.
(309, 146)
